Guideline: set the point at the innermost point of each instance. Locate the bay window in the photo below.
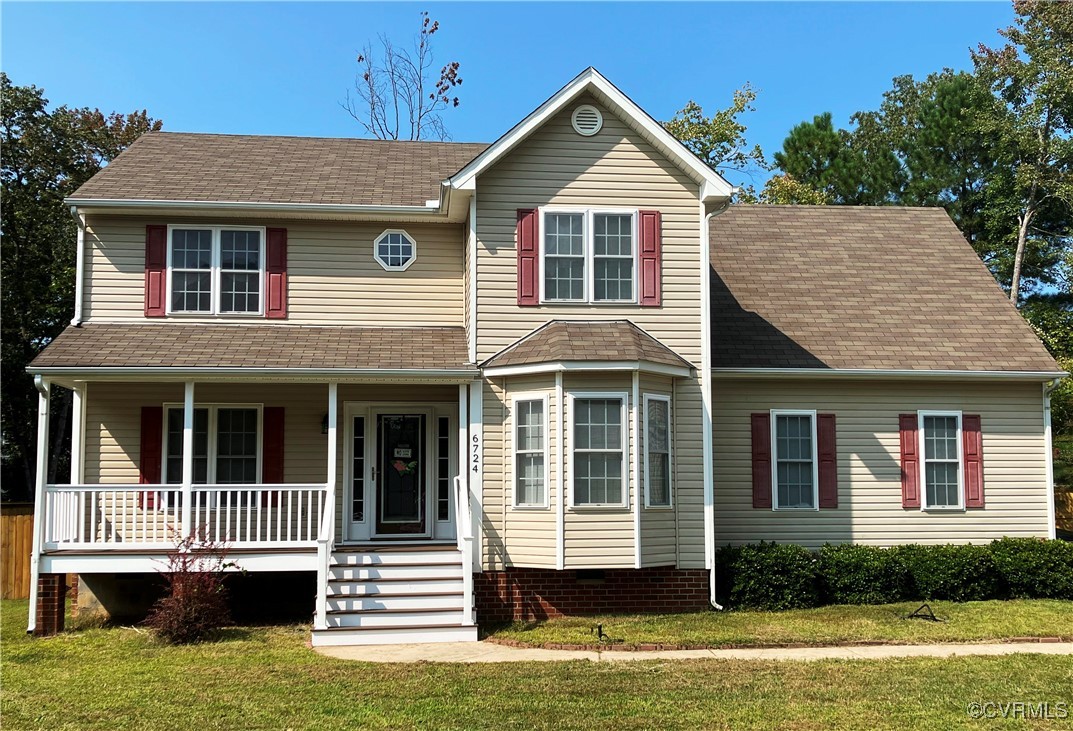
(598, 450)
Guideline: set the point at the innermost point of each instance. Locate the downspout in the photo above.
(1048, 443)
(706, 397)
(80, 263)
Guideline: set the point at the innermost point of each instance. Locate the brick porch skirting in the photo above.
(520, 594)
(51, 606)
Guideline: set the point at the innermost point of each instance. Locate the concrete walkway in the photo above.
(474, 652)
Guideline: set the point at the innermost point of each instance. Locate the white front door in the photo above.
(399, 468)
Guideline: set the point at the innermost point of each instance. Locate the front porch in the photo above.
(286, 475)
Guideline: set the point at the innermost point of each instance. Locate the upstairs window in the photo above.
(215, 270)
(589, 256)
(395, 251)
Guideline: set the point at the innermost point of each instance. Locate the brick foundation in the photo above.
(532, 594)
(51, 595)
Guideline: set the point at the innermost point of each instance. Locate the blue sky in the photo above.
(283, 68)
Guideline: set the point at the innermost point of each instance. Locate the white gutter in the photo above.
(254, 205)
(560, 366)
(80, 264)
(706, 394)
(881, 373)
(201, 372)
(1048, 444)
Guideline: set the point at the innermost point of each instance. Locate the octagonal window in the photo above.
(395, 250)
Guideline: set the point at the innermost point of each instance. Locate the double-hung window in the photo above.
(227, 445)
(589, 256)
(657, 451)
(794, 462)
(216, 270)
(940, 434)
(530, 451)
(598, 452)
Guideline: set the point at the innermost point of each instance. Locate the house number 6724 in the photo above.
(476, 457)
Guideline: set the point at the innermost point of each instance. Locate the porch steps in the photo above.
(393, 594)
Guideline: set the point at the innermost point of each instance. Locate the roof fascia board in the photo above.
(253, 205)
(714, 185)
(884, 373)
(579, 365)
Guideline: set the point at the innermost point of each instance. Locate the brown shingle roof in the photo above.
(870, 288)
(262, 169)
(606, 340)
(190, 345)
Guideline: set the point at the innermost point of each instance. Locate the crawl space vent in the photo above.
(587, 120)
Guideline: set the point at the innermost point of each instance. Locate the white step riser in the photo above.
(399, 602)
(360, 574)
(388, 588)
(396, 619)
(394, 636)
(424, 558)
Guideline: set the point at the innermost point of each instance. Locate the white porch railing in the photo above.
(464, 533)
(102, 517)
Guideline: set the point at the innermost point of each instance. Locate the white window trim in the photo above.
(215, 270)
(383, 264)
(515, 400)
(588, 252)
(624, 396)
(924, 507)
(213, 409)
(649, 397)
(775, 413)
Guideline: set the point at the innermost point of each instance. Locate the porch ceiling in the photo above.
(255, 350)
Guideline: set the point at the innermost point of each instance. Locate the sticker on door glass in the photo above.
(403, 453)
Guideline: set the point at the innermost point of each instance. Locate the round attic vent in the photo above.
(587, 120)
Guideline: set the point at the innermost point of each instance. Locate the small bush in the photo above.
(852, 574)
(725, 559)
(956, 573)
(1035, 569)
(194, 605)
(774, 576)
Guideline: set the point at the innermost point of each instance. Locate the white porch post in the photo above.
(188, 458)
(326, 534)
(463, 444)
(474, 466)
(40, 513)
(78, 430)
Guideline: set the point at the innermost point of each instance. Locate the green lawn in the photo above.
(266, 678)
(968, 622)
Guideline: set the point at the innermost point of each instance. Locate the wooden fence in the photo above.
(16, 537)
(1063, 510)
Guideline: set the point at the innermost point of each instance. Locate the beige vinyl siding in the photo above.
(658, 533)
(869, 471)
(333, 278)
(616, 167)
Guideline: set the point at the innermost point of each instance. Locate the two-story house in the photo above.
(546, 375)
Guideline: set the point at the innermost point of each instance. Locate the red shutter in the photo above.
(276, 273)
(651, 267)
(762, 460)
(528, 258)
(150, 461)
(156, 266)
(973, 453)
(827, 449)
(907, 428)
(272, 432)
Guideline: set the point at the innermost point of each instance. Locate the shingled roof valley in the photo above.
(179, 166)
(859, 288)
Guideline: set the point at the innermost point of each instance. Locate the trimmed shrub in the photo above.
(1033, 568)
(774, 576)
(852, 574)
(957, 573)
